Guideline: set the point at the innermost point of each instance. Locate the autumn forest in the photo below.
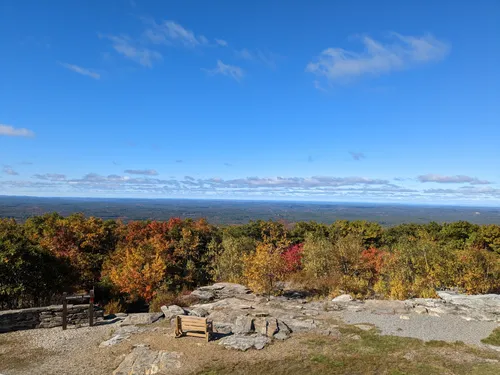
(146, 263)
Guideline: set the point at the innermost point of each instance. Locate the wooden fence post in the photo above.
(65, 312)
(91, 308)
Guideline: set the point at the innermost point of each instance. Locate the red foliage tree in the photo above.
(292, 258)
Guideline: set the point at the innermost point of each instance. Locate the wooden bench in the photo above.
(193, 326)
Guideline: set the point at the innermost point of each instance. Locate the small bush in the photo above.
(167, 298)
(114, 307)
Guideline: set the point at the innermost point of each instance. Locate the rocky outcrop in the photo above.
(172, 311)
(45, 317)
(144, 361)
(482, 307)
(220, 291)
(245, 342)
(141, 319)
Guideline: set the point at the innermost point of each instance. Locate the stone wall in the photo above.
(45, 317)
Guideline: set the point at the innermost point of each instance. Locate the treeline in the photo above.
(153, 261)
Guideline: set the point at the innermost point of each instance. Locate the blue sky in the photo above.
(387, 101)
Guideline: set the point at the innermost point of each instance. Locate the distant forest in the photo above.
(241, 212)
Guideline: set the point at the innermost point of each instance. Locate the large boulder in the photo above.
(141, 319)
(172, 311)
(197, 311)
(144, 361)
(245, 342)
(243, 325)
(220, 291)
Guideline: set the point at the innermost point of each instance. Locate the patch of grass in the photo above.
(327, 361)
(493, 339)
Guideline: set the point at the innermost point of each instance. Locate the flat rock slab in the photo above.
(144, 361)
(141, 318)
(121, 334)
(244, 342)
(448, 328)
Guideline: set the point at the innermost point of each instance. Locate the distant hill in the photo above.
(238, 212)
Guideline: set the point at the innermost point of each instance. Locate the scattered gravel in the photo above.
(446, 327)
(55, 339)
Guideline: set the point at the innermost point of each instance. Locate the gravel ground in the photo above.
(54, 351)
(425, 327)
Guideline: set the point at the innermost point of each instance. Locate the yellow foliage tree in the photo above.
(264, 268)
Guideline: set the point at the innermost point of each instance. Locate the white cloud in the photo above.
(452, 179)
(228, 70)
(268, 59)
(50, 176)
(171, 32)
(82, 71)
(7, 169)
(131, 50)
(221, 42)
(315, 187)
(145, 172)
(340, 65)
(10, 131)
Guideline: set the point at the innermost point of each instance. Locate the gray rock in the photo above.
(420, 310)
(271, 327)
(297, 325)
(224, 328)
(364, 327)
(141, 318)
(220, 291)
(172, 311)
(260, 326)
(342, 298)
(144, 361)
(198, 311)
(203, 295)
(245, 342)
(243, 325)
(121, 334)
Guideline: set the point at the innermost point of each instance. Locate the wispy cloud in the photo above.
(268, 59)
(170, 32)
(221, 42)
(357, 155)
(50, 177)
(80, 70)
(11, 131)
(401, 52)
(7, 169)
(452, 179)
(227, 70)
(145, 172)
(132, 50)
